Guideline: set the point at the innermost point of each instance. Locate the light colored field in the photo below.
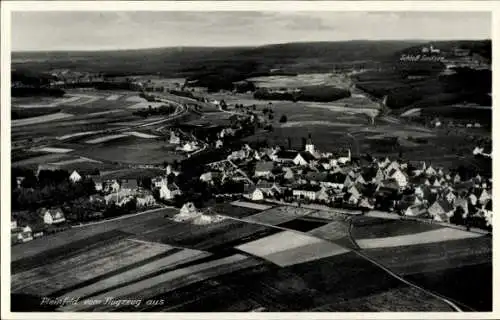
(78, 134)
(135, 99)
(328, 215)
(113, 97)
(53, 150)
(300, 80)
(170, 261)
(142, 135)
(93, 114)
(433, 236)
(106, 138)
(73, 161)
(84, 269)
(53, 103)
(251, 205)
(146, 104)
(269, 217)
(40, 119)
(341, 108)
(293, 124)
(184, 276)
(84, 99)
(289, 248)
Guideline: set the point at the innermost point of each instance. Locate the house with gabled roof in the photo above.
(479, 196)
(423, 192)
(384, 163)
(441, 210)
(349, 181)
(52, 216)
(304, 159)
(324, 195)
(356, 192)
(400, 177)
(393, 165)
(434, 182)
(457, 178)
(75, 177)
(430, 171)
(21, 234)
(257, 194)
(450, 196)
(169, 191)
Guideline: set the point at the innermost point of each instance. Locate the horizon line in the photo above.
(244, 46)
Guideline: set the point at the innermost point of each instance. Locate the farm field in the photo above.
(64, 273)
(278, 215)
(165, 262)
(381, 228)
(140, 223)
(300, 80)
(437, 266)
(250, 205)
(433, 236)
(279, 270)
(40, 119)
(394, 300)
(172, 280)
(130, 149)
(288, 248)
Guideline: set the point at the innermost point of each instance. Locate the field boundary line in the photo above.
(122, 217)
(398, 277)
(363, 256)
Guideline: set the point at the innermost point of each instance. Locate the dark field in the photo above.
(389, 228)
(66, 250)
(234, 211)
(303, 225)
(459, 269)
(471, 285)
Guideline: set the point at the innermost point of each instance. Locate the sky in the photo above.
(106, 30)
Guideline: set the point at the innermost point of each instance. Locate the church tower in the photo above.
(310, 146)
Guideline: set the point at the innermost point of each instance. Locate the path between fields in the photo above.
(398, 277)
(122, 217)
(363, 256)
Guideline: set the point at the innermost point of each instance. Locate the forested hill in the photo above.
(174, 61)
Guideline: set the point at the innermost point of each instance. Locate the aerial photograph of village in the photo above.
(251, 161)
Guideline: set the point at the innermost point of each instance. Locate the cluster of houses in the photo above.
(47, 217)
(185, 145)
(412, 189)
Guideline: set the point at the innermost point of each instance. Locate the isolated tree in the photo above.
(283, 119)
